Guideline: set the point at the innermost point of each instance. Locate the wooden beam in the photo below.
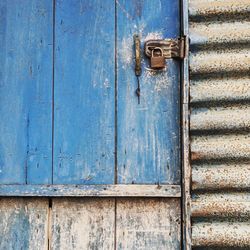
(91, 190)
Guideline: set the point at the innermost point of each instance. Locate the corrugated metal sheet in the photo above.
(219, 33)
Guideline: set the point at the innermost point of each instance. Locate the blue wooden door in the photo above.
(69, 112)
(70, 120)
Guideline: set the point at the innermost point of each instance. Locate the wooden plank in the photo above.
(83, 224)
(25, 91)
(84, 92)
(23, 223)
(148, 224)
(92, 190)
(148, 133)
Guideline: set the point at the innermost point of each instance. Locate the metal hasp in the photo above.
(172, 48)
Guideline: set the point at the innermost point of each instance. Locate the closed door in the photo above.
(69, 111)
(68, 104)
(101, 133)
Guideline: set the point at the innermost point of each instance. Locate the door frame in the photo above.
(185, 140)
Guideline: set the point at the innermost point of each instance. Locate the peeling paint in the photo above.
(23, 223)
(153, 36)
(162, 78)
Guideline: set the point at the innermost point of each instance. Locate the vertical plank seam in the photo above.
(27, 149)
(115, 225)
(116, 101)
(53, 91)
(49, 230)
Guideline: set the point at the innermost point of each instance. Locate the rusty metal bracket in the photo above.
(137, 47)
(172, 48)
(137, 44)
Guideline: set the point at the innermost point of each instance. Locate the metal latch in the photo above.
(172, 48)
(137, 48)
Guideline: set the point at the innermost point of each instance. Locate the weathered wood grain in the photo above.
(83, 224)
(91, 190)
(23, 224)
(84, 92)
(148, 133)
(144, 224)
(25, 91)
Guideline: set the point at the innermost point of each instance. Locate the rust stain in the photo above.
(194, 156)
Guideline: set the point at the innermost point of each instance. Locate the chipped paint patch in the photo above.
(125, 52)
(159, 79)
(153, 36)
(23, 223)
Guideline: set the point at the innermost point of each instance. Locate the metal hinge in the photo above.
(172, 48)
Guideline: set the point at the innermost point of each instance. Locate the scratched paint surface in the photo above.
(25, 91)
(59, 104)
(62, 94)
(84, 92)
(83, 224)
(90, 223)
(23, 223)
(148, 133)
(144, 224)
(140, 224)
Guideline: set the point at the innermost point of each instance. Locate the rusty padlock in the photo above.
(157, 62)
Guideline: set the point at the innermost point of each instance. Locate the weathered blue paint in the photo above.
(68, 190)
(148, 133)
(25, 91)
(62, 129)
(23, 223)
(84, 92)
(70, 119)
